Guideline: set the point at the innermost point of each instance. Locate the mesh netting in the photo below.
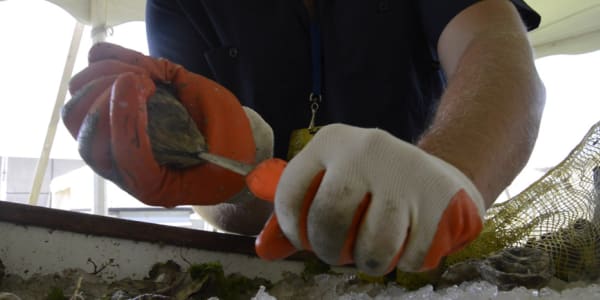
(559, 214)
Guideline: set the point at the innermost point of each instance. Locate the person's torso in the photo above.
(377, 67)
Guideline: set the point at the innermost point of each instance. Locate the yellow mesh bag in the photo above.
(559, 214)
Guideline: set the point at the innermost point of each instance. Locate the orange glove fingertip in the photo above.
(271, 243)
(76, 109)
(460, 224)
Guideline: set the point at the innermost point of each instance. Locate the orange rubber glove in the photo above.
(362, 196)
(107, 116)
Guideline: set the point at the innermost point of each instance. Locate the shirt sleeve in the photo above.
(436, 14)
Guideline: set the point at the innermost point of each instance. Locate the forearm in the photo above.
(488, 118)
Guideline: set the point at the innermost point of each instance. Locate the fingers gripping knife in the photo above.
(177, 142)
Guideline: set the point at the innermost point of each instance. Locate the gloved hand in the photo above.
(364, 196)
(108, 117)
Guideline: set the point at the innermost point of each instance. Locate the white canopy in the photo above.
(104, 12)
(568, 26)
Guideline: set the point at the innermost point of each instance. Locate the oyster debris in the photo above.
(508, 268)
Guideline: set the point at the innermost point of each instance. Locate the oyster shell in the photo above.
(508, 268)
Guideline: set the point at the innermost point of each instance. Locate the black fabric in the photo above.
(380, 68)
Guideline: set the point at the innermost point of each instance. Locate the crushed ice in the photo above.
(335, 287)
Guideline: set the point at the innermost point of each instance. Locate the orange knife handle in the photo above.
(263, 180)
(271, 243)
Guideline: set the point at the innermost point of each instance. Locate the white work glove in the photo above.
(262, 133)
(244, 213)
(381, 202)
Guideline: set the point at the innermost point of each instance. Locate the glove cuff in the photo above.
(262, 134)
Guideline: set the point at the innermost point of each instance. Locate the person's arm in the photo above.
(487, 120)
(362, 196)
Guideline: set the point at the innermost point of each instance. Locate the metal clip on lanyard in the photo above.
(300, 137)
(315, 97)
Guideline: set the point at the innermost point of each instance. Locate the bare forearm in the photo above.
(488, 119)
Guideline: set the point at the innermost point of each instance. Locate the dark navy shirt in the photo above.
(379, 60)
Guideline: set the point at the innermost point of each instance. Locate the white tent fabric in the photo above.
(107, 12)
(568, 26)
(103, 14)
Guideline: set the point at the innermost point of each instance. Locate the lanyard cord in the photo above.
(315, 43)
(315, 95)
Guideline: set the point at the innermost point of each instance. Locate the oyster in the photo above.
(175, 138)
(574, 250)
(508, 268)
